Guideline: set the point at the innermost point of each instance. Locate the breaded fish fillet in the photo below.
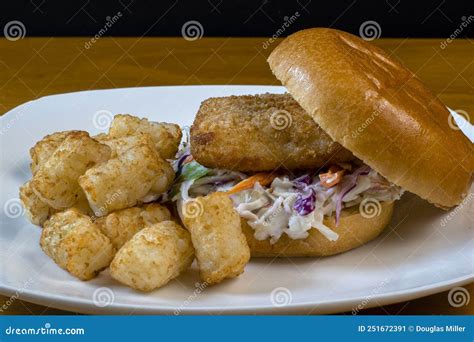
(260, 133)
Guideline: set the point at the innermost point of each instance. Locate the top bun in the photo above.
(377, 109)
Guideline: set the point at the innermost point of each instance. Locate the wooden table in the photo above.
(35, 67)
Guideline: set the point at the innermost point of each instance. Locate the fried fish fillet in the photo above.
(260, 133)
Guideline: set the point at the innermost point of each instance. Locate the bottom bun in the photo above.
(354, 230)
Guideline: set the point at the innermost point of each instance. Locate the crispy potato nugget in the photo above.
(55, 183)
(153, 257)
(76, 244)
(120, 145)
(101, 137)
(120, 226)
(36, 210)
(82, 205)
(44, 149)
(122, 181)
(221, 248)
(164, 181)
(166, 137)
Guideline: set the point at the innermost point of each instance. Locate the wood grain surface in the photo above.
(34, 67)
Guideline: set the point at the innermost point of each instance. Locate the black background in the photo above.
(397, 18)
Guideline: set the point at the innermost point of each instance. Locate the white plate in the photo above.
(423, 251)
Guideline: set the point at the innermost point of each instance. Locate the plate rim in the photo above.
(341, 305)
(280, 87)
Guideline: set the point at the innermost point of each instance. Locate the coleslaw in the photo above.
(291, 204)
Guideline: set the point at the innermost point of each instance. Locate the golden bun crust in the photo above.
(354, 230)
(260, 133)
(376, 108)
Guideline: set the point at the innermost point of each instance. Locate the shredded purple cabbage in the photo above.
(306, 198)
(305, 202)
(348, 183)
(181, 159)
(302, 182)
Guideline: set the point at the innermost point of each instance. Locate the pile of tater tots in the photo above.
(99, 200)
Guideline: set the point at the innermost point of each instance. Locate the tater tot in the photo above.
(76, 244)
(44, 149)
(82, 205)
(120, 226)
(101, 137)
(122, 181)
(166, 178)
(36, 210)
(153, 257)
(221, 248)
(166, 137)
(56, 182)
(120, 145)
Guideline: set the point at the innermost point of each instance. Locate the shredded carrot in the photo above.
(332, 177)
(263, 178)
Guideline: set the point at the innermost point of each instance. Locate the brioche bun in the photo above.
(354, 230)
(376, 108)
